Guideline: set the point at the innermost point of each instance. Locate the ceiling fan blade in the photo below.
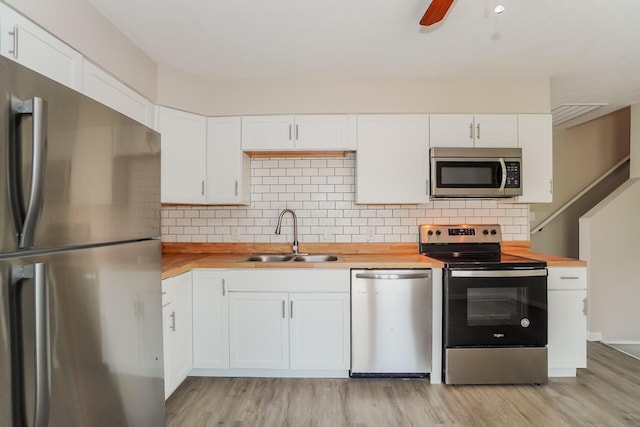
(436, 11)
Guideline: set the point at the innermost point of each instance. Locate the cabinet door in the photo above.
(320, 330)
(210, 320)
(183, 156)
(265, 133)
(567, 329)
(496, 130)
(228, 168)
(325, 132)
(167, 345)
(178, 322)
(451, 130)
(392, 162)
(258, 330)
(28, 44)
(102, 87)
(536, 140)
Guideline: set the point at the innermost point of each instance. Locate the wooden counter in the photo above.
(179, 258)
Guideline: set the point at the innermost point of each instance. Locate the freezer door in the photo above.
(77, 172)
(81, 338)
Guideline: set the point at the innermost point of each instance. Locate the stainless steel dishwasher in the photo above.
(391, 323)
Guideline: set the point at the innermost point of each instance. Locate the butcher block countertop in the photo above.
(178, 258)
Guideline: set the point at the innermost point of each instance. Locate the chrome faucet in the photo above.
(294, 246)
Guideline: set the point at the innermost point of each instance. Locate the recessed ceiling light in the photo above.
(499, 9)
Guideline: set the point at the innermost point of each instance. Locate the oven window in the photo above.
(468, 174)
(503, 306)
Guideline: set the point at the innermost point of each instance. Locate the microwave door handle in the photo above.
(503, 182)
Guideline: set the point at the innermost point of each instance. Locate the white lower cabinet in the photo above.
(319, 330)
(210, 319)
(258, 330)
(271, 322)
(567, 320)
(177, 330)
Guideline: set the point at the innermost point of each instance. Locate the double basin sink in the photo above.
(290, 257)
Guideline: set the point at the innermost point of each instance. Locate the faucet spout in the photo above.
(294, 246)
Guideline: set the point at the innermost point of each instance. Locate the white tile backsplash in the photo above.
(321, 191)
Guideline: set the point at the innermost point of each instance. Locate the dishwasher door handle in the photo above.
(393, 276)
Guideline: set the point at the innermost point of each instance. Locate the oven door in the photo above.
(495, 308)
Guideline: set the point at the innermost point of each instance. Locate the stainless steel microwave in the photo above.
(475, 172)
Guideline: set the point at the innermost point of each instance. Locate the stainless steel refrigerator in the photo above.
(80, 287)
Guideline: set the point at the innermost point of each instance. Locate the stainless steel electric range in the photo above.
(494, 307)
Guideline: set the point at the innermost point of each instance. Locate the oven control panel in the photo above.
(462, 233)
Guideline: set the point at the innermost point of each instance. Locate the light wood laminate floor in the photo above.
(607, 393)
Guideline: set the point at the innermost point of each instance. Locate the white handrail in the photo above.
(602, 177)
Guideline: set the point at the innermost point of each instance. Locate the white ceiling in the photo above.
(590, 49)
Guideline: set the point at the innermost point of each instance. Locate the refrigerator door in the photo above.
(76, 172)
(81, 338)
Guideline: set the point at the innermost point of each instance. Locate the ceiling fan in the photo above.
(436, 12)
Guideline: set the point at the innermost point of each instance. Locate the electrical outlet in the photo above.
(371, 234)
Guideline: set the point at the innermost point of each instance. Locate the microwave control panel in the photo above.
(513, 175)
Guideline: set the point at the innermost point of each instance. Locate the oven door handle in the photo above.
(499, 273)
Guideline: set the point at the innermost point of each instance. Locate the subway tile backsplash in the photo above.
(322, 193)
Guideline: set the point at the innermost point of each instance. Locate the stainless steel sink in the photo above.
(316, 258)
(268, 258)
(290, 257)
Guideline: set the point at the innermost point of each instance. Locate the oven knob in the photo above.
(493, 232)
(430, 233)
(438, 232)
(525, 322)
(485, 232)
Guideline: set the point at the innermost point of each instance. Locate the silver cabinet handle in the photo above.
(551, 186)
(224, 287)
(173, 321)
(289, 132)
(291, 310)
(297, 134)
(236, 187)
(283, 308)
(393, 276)
(471, 130)
(478, 131)
(584, 306)
(14, 34)
(569, 277)
(202, 187)
(427, 189)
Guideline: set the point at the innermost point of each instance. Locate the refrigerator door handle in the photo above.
(37, 108)
(42, 349)
(38, 273)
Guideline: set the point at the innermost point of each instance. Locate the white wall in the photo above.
(299, 96)
(78, 23)
(581, 154)
(321, 191)
(610, 243)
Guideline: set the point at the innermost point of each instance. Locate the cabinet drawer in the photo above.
(567, 278)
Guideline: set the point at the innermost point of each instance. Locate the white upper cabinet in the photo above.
(184, 156)
(299, 133)
(102, 87)
(469, 130)
(535, 137)
(392, 162)
(26, 43)
(228, 168)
